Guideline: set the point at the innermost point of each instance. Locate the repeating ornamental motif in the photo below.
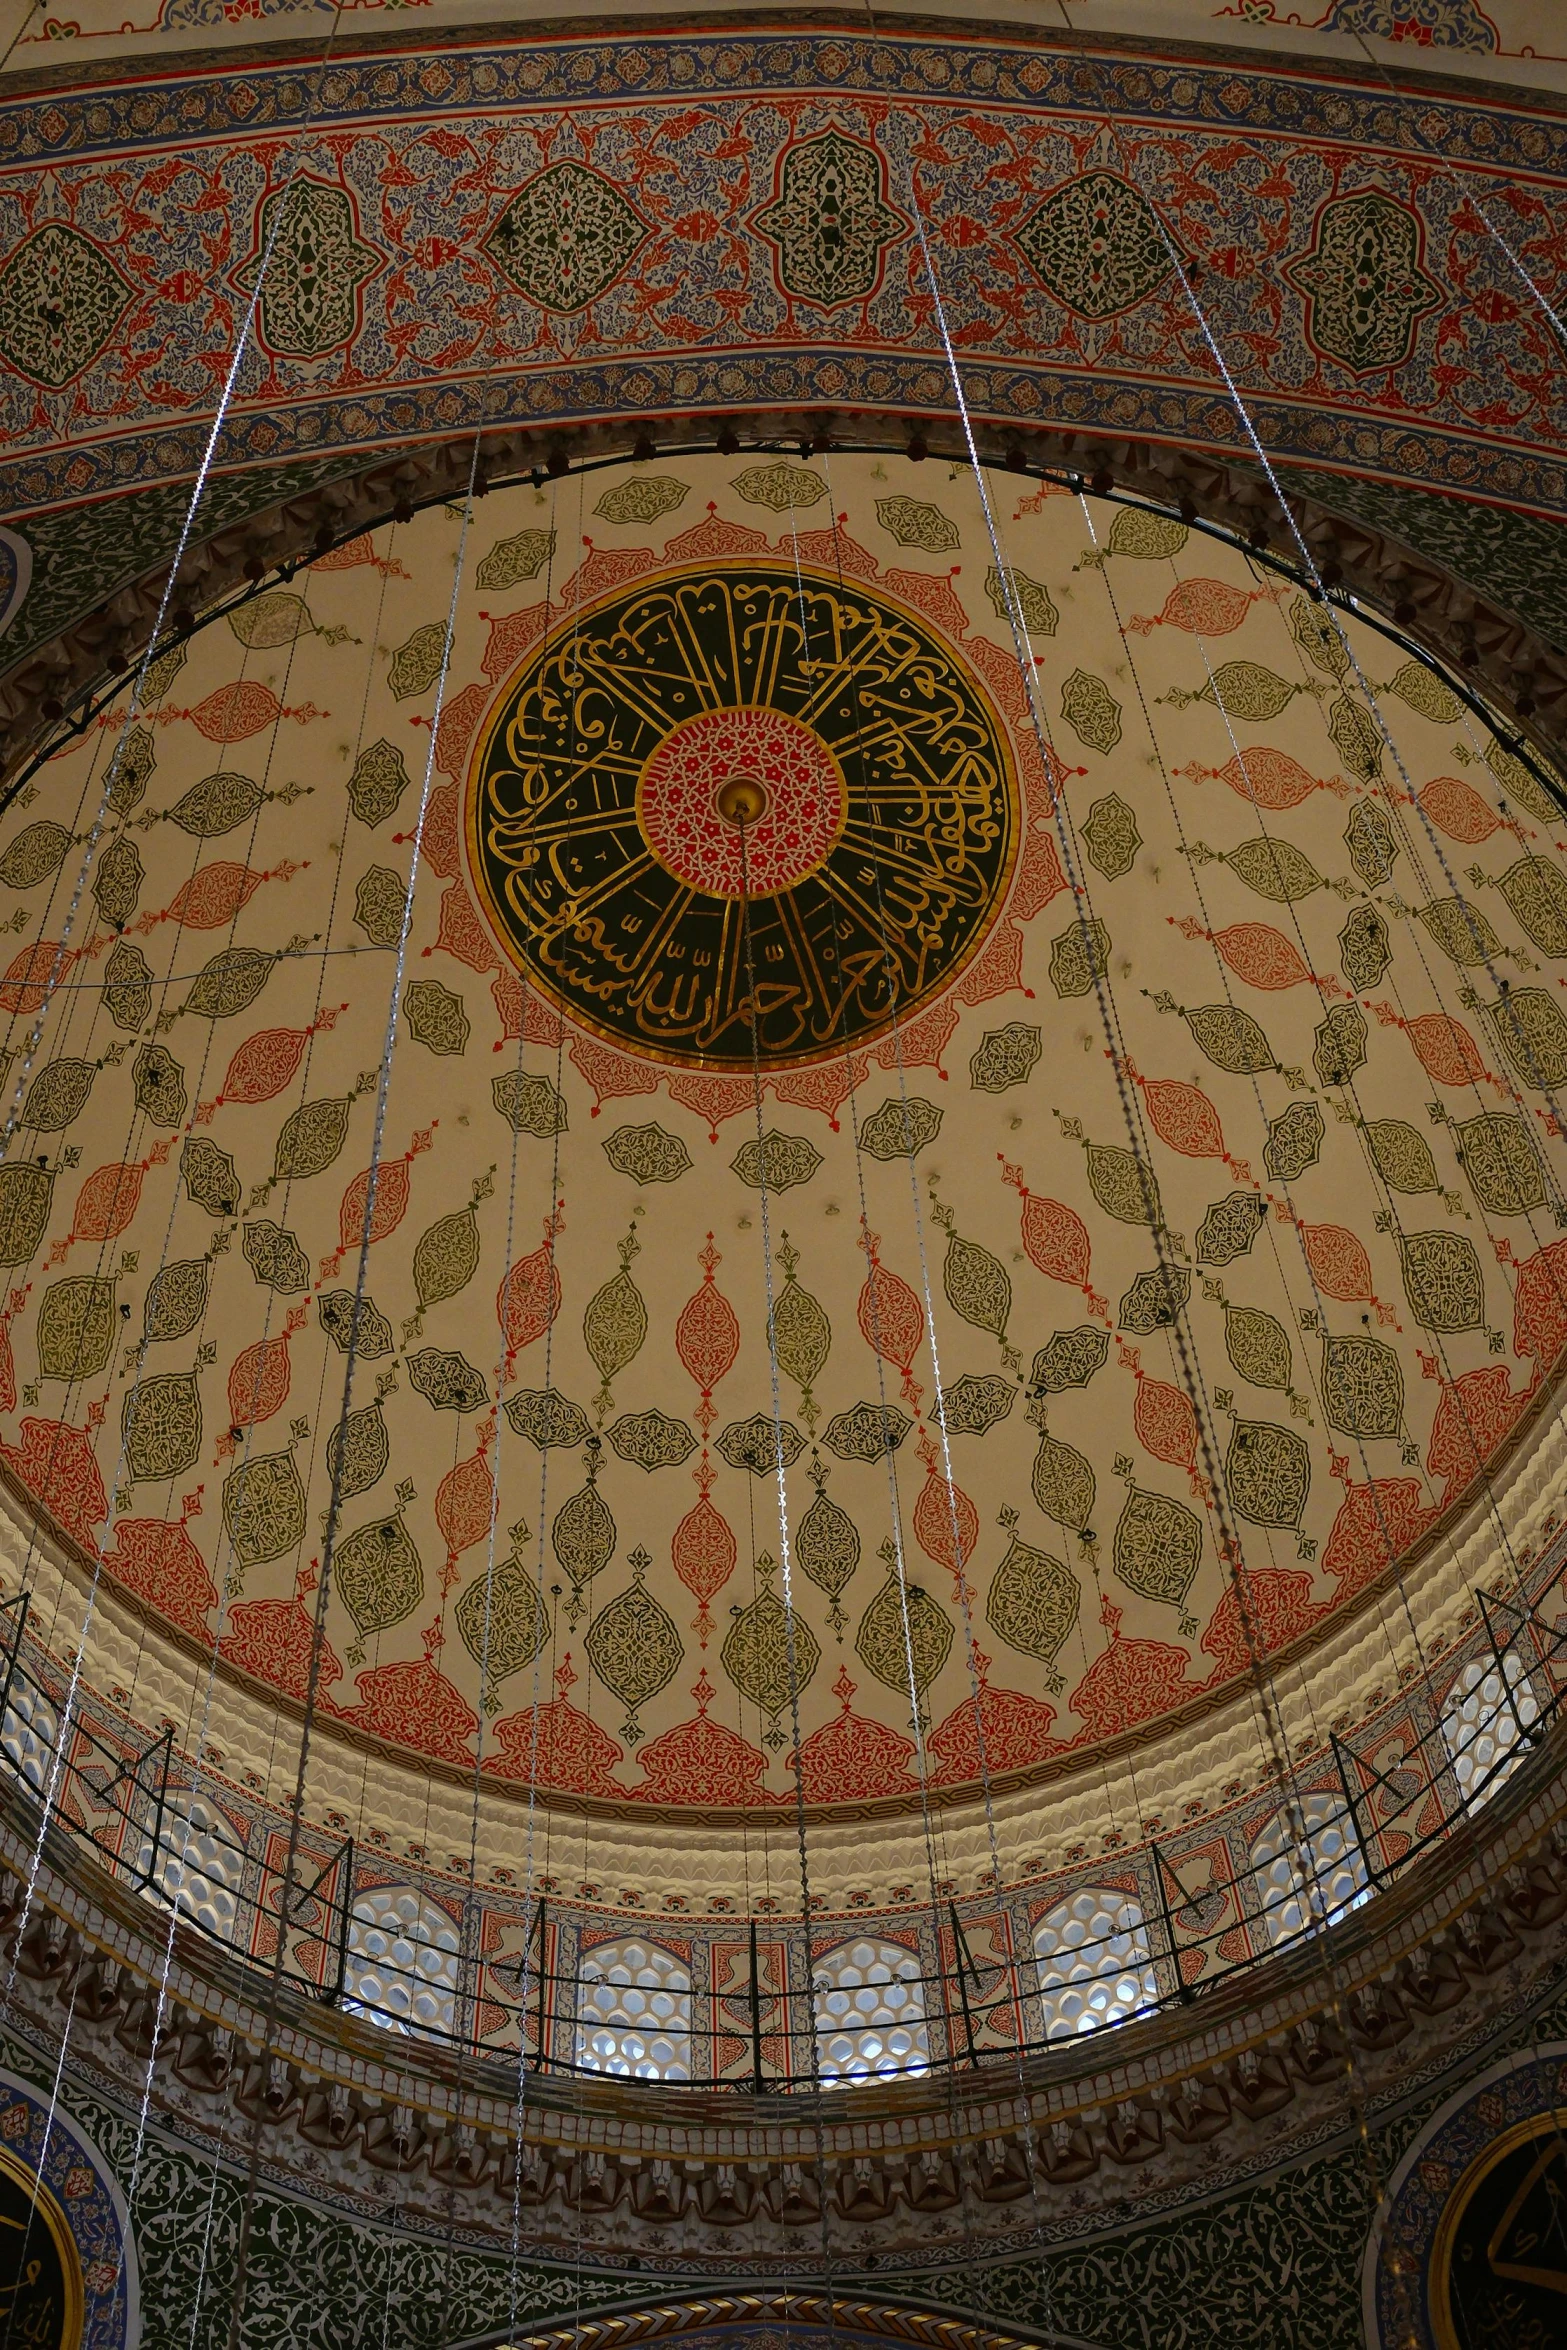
(740, 776)
(1363, 278)
(830, 223)
(61, 299)
(1097, 246)
(1281, 1268)
(314, 265)
(565, 237)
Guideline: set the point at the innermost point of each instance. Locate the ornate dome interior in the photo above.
(1125, 1084)
(783, 1201)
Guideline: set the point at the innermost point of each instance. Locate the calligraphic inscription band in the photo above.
(742, 794)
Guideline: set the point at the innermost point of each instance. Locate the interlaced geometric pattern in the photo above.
(403, 1961)
(870, 2012)
(1094, 1963)
(634, 2012)
(1301, 1885)
(198, 1864)
(1480, 1723)
(28, 1734)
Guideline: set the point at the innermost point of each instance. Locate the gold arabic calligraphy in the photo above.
(742, 798)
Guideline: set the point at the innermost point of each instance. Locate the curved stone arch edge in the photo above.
(1447, 614)
(60, 2124)
(1509, 2068)
(722, 2321)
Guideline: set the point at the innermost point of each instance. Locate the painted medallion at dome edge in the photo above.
(758, 737)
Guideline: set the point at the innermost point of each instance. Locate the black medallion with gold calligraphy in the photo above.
(742, 786)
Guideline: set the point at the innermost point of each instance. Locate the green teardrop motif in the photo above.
(379, 1575)
(614, 1325)
(357, 1452)
(310, 1138)
(1419, 690)
(978, 1286)
(1401, 1156)
(1461, 931)
(229, 983)
(1231, 1039)
(827, 1546)
(1124, 1185)
(117, 883)
(1258, 1346)
(1274, 869)
(583, 1534)
(216, 805)
(1536, 891)
(37, 851)
(802, 1334)
(1064, 1484)
(446, 1257)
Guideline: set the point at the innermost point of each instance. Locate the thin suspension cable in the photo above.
(334, 1507)
(1306, 1853)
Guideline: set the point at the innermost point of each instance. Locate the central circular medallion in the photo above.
(741, 803)
(742, 810)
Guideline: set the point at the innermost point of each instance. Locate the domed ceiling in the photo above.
(1134, 1112)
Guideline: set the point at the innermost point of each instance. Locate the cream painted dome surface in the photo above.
(1168, 1158)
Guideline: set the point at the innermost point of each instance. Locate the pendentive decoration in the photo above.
(742, 735)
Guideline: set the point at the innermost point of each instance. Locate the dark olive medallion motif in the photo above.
(742, 812)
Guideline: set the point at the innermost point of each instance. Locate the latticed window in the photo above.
(1095, 1966)
(404, 1959)
(870, 2012)
(634, 2012)
(1481, 1723)
(199, 1862)
(1303, 1882)
(28, 1733)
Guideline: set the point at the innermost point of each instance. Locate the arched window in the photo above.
(199, 1863)
(1301, 1887)
(870, 2012)
(1481, 1726)
(1094, 1963)
(28, 1733)
(404, 1955)
(634, 2012)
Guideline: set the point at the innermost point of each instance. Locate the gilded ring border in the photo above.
(793, 573)
(1440, 2271)
(47, 2206)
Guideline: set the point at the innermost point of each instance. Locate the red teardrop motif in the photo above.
(1339, 1265)
(1265, 778)
(1260, 955)
(703, 1551)
(264, 1064)
(464, 1502)
(1165, 1423)
(1446, 1050)
(1203, 607)
(235, 711)
(1056, 1239)
(528, 1300)
(892, 1319)
(106, 1202)
(391, 1204)
(31, 974)
(707, 1336)
(258, 1382)
(938, 1506)
(1456, 808)
(1182, 1116)
(213, 896)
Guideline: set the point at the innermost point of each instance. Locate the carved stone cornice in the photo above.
(1267, 2065)
(1501, 657)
